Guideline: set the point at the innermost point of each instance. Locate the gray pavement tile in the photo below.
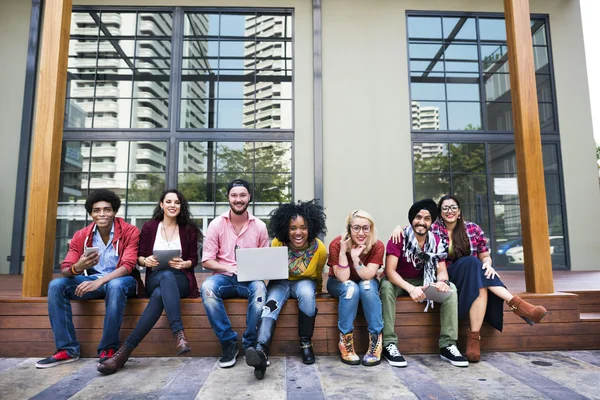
(589, 356)
(8, 363)
(70, 385)
(416, 378)
(190, 378)
(302, 381)
(551, 373)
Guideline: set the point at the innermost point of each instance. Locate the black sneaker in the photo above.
(393, 356)
(60, 357)
(230, 352)
(453, 356)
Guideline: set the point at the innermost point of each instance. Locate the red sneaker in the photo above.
(106, 354)
(60, 357)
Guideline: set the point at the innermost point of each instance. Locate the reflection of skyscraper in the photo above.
(272, 58)
(103, 89)
(425, 117)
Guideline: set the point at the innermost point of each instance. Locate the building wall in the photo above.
(14, 36)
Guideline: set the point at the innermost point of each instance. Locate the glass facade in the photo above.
(460, 88)
(175, 97)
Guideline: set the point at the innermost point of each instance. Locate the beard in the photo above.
(237, 212)
(419, 233)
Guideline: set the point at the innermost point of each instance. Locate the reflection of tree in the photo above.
(147, 187)
(193, 186)
(471, 127)
(271, 164)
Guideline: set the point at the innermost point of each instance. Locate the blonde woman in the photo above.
(354, 258)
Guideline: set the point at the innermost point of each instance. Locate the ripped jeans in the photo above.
(280, 290)
(218, 287)
(349, 294)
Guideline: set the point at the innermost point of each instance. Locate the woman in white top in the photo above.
(171, 228)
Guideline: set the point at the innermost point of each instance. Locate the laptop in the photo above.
(264, 263)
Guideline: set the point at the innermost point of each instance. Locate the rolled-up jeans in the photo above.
(60, 293)
(349, 294)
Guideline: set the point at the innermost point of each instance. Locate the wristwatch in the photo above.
(446, 281)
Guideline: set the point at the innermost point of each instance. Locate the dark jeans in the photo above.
(165, 287)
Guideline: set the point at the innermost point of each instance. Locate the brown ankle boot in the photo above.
(473, 352)
(183, 346)
(116, 362)
(530, 313)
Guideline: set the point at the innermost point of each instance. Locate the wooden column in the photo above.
(528, 143)
(47, 146)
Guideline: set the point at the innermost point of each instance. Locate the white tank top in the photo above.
(161, 243)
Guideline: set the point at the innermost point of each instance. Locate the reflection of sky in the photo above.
(230, 112)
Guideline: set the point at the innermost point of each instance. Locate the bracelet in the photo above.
(73, 270)
(342, 266)
(359, 266)
(414, 287)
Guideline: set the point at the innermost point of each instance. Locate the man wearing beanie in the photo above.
(236, 228)
(412, 264)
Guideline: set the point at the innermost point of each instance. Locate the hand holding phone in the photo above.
(90, 250)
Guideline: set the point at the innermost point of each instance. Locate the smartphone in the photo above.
(91, 250)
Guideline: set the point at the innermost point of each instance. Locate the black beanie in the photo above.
(425, 204)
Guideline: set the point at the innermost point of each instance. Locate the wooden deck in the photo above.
(573, 322)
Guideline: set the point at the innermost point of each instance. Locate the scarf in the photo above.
(426, 259)
(299, 260)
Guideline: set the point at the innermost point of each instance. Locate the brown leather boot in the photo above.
(530, 313)
(183, 346)
(473, 352)
(116, 362)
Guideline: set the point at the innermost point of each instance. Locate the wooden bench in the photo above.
(25, 328)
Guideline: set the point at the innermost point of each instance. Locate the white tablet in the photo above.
(432, 294)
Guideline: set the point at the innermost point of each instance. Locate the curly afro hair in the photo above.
(312, 212)
(102, 195)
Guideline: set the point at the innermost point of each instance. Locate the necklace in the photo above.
(167, 238)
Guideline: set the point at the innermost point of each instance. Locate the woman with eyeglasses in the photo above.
(481, 293)
(354, 258)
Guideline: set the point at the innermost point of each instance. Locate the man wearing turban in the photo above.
(414, 263)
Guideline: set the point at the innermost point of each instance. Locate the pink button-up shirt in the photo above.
(221, 240)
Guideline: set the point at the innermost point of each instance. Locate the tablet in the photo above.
(432, 294)
(164, 256)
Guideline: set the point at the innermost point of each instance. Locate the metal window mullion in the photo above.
(96, 72)
(490, 195)
(133, 70)
(175, 98)
(482, 92)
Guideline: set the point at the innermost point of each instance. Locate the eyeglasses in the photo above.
(357, 228)
(449, 208)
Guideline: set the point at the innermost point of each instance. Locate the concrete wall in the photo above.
(14, 36)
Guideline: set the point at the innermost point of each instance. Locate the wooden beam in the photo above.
(47, 145)
(528, 143)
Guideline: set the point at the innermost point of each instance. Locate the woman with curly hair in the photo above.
(297, 227)
(171, 228)
(354, 258)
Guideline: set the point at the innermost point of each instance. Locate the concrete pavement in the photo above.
(540, 375)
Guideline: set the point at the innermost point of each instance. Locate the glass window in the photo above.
(457, 61)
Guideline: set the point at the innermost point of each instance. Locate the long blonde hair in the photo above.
(372, 234)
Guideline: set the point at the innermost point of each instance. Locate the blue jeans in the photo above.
(219, 287)
(349, 294)
(60, 293)
(165, 287)
(281, 290)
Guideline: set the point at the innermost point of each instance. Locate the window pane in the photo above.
(464, 116)
(538, 29)
(195, 186)
(461, 52)
(506, 189)
(195, 156)
(431, 157)
(273, 188)
(155, 24)
(78, 113)
(427, 115)
(148, 156)
(546, 111)
(425, 27)
(499, 116)
(148, 113)
(552, 183)
(428, 51)
(540, 59)
(237, 157)
(462, 28)
(199, 113)
(145, 187)
(199, 24)
(428, 91)
(463, 91)
(273, 157)
(495, 58)
(432, 186)
(502, 158)
(477, 214)
(492, 29)
(470, 188)
(550, 158)
(544, 87)
(497, 87)
(467, 157)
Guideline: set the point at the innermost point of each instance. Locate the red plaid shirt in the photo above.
(474, 232)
